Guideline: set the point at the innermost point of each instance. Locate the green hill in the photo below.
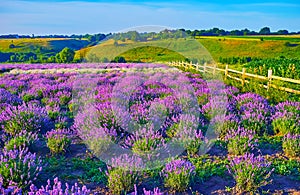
(260, 47)
(209, 48)
(46, 44)
(148, 51)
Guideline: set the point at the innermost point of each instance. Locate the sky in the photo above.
(45, 17)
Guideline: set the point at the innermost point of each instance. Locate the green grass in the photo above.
(204, 47)
(270, 47)
(151, 54)
(44, 44)
(150, 50)
(210, 48)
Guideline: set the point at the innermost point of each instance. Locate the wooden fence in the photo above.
(269, 79)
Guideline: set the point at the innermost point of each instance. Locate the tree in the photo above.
(66, 55)
(265, 31)
(119, 59)
(282, 32)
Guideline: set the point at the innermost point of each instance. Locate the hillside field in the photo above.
(223, 46)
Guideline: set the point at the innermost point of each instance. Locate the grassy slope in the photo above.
(160, 50)
(29, 45)
(252, 46)
(151, 54)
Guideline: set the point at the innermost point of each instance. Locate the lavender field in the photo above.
(141, 129)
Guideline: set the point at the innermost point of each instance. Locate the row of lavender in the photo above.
(40, 106)
(5, 67)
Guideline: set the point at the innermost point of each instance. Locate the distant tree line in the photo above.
(134, 35)
(64, 56)
(243, 32)
(89, 37)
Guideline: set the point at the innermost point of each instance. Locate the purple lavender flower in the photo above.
(59, 140)
(57, 189)
(291, 145)
(241, 141)
(178, 174)
(250, 172)
(255, 113)
(31, 118)
(286, 118)
(155, 191)
(124, 173)
(19, 167)
(7, 98)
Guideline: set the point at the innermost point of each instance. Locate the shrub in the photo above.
(257, 117)
(249, 172)
(28, 97)
(291, 145)
(58, 140)
(23, 139)
(123, 173)
(245, 98)
(178, 175)
(7, 98)
(188, 136)
(19, 167)
(146, 142)
(96, 137)
(172, 130)
(30, 118)
(222, 124)
(240, 141)
(286, 118)
(192, 143)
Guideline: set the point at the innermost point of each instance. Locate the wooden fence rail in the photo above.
(270, 78)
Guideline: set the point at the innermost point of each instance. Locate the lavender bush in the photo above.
(223, 124)
(30, 118)
(6, 98)
(291, 145)
(255, 112)
(286, 118)
(19, 167)
(58, 140)
(250, 172)
(178, 175)
(245, 98)
(97, 136)
(241, 141)
(188, 136)
(257, 116)
(145, 142)
(23, 139)
(124, 173)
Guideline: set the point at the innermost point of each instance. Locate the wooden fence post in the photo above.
(191, 65)
(214, 70)
(204, 67)
(197, 66)
(226, 72)
(243, 76)
(269, 79)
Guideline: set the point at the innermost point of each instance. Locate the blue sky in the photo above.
(92, 16)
